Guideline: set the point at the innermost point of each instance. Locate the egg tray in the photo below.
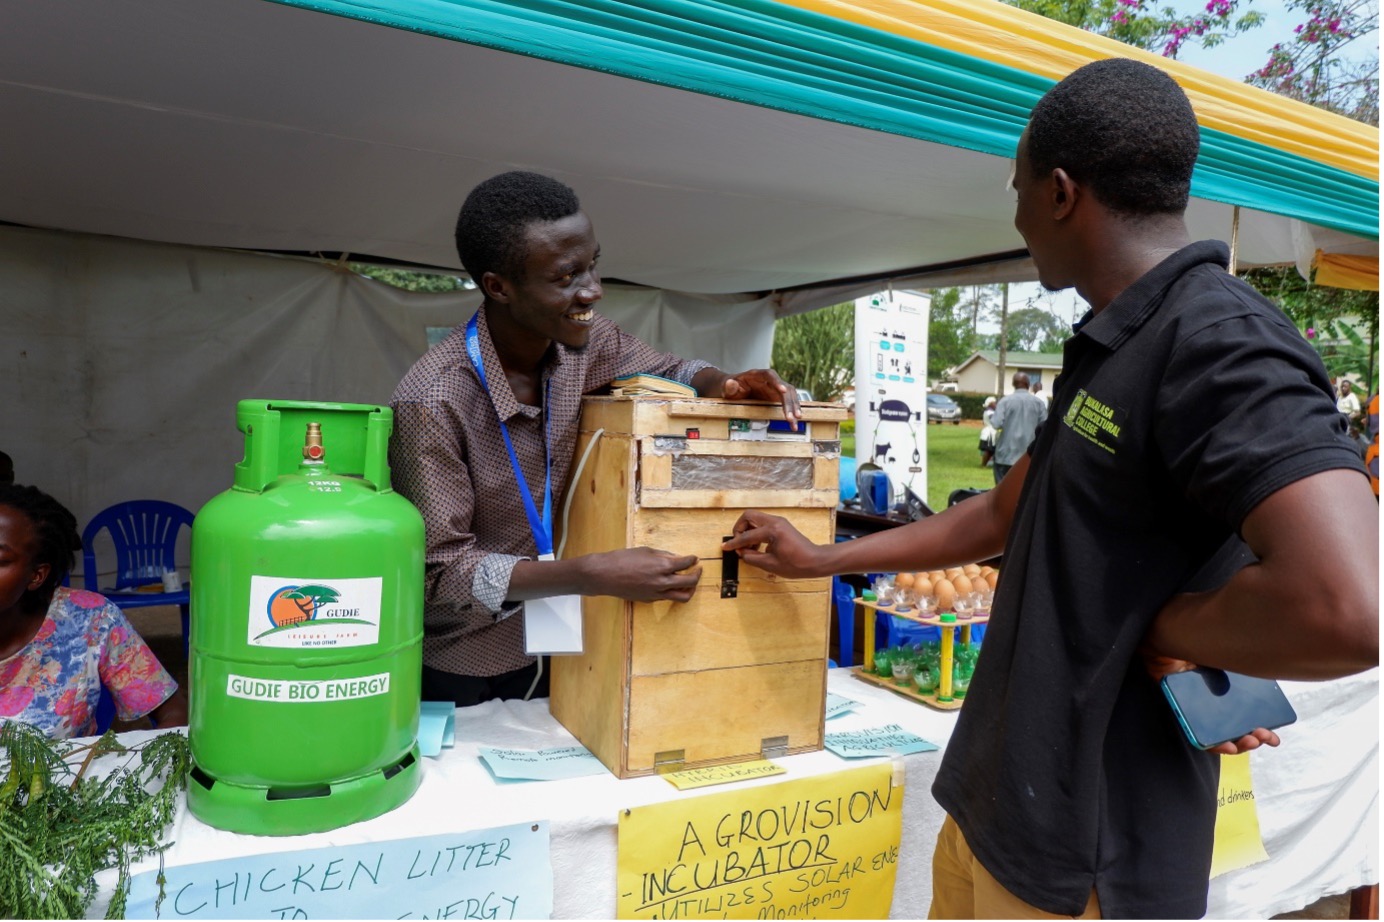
(908, 691)
(865, 673)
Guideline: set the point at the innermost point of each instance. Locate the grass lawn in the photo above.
(952, 460)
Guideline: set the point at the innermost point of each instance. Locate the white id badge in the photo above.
(552, 626)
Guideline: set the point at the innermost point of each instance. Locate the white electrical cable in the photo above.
(576, 476)
(566, 509)
(536, 677)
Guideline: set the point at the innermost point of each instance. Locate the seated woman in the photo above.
(58, 646)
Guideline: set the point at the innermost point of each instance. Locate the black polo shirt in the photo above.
(1180, 407)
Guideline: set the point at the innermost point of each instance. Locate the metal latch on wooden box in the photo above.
(669, 761)
(773, 747)
(730, 572)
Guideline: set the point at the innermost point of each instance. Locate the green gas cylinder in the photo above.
(307, 627)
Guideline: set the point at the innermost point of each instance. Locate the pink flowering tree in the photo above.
(1332, 60)
(1145, 24)
(1314, 66)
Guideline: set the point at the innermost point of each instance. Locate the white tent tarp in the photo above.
(244, 123)
(268, 126)
(123, 361)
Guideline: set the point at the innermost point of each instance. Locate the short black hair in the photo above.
(1125, 129)
(55, 527)
(490, 226)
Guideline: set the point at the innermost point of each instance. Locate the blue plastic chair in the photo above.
(145, 534)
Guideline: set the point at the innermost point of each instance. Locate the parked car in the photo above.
(804, 395)
(942, 409)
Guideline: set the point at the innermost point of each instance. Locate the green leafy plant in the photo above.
(951, 327)
(816, 350)
(432, 282)
(60, 825)
(1341, 324)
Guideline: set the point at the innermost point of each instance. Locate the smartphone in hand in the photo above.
(1214, 706)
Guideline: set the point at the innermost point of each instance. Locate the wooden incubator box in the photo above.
(739, 672)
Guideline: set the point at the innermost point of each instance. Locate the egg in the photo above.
(953, 572)
(946, 595)
(971, 570)
(922, 585)
(904, 580)
(993, 578)
(986, 571)
(962, 585)
(935, 575)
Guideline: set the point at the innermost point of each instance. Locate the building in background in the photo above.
(979, 374)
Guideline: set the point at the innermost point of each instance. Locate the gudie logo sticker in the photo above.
(303, 613)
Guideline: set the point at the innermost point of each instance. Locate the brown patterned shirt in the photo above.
(449, 459)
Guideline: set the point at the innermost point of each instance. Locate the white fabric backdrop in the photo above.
(1317, 797)
(121, 362)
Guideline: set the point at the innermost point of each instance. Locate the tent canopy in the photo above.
(740, 160)
(805, 147)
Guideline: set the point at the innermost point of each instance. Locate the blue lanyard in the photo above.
(541, 526)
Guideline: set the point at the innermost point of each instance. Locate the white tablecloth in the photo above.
(1317, 798)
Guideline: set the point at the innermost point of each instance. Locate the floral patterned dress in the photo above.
(85, 642)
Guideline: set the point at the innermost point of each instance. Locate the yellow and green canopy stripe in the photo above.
(964, 73)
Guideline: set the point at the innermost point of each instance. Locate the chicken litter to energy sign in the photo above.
(819, 848)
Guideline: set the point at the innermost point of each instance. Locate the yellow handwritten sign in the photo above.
(821, 848)
(1238, 842)
(721, 774)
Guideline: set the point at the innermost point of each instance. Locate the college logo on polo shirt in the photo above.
(1095, 421)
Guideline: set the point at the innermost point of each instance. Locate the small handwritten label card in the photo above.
(721, 774)
(541, 764)
(839, 704)
(436, 727)
(876, 741)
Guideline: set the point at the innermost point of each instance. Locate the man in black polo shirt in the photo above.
(1189, 414)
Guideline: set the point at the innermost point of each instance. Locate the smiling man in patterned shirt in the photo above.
(533, 253)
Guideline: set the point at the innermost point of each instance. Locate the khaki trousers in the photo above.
(962, 889)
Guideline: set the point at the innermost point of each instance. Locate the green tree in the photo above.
(950, 332)
(816, 350)
(1032, 329)
(983, 303)
(409, 280)
(1341, 324)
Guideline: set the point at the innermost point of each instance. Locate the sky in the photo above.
(1235, 59)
